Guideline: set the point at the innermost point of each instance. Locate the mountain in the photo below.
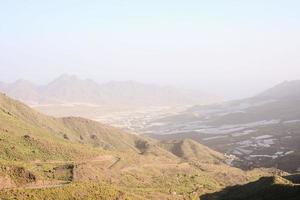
(68, 89)
(262, 131)
(22, 89)
(286, 89)
(43, 157)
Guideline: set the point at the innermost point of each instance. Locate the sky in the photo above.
(231, 48)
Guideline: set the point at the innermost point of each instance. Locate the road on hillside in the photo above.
(101, 158)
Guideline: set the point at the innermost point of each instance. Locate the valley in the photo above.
(77, 158)
(149, 100)
(262, 131)
(133, 119)
(165, 152)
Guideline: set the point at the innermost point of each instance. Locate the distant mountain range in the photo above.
(261, 131)
(71, 89)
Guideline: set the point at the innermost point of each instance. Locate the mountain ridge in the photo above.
(70, 88)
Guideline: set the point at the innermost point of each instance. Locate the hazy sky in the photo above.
(232, 48)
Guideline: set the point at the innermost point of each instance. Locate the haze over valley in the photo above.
(261, 131)
(251, 133)
(149, 100)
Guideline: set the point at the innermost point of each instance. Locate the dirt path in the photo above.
(114, 163)
(57, 185)
(101, 158)
(153, 165)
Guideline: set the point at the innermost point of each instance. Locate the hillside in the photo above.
(262, 131)
(21, 122)
(192, 151)
(42, 156)
(267, 188)
(284, 90)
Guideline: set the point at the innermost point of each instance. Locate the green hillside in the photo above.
(192, 151)
(42, 157)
